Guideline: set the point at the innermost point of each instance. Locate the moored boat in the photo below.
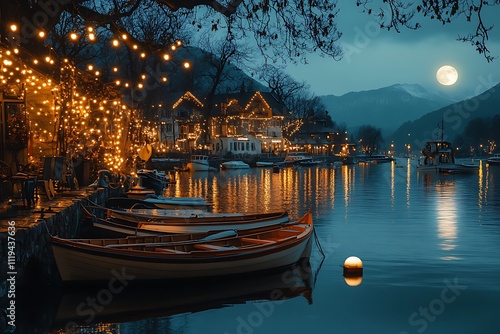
(182, 256)
(153, 179)
(159, 202)
(198, 163)
(138, 192)
(373, 158)
(494, 160)
(127, 224)
(235, 164)
(264, 164)
(438, 157)
(297, 157)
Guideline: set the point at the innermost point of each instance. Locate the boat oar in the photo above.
(215, 236)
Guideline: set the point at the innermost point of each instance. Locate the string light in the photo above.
(71, 106)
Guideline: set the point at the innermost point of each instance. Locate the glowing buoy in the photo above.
(353, 266)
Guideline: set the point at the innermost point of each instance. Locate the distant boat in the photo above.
(494, 160)
(264, 163)
(183, 255)
(198, 163)
(438, 156)
(236, 164)
(297, 157)
(310, 162)
(373, 158)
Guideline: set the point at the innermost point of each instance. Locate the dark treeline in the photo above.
(480, 137)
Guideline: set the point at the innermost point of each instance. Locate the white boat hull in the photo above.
(234, 165)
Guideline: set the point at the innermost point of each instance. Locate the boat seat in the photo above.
(283, 239)
(258, 241)
(168, 250)
(213, 247)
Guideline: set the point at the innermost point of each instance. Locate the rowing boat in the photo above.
(129, 223)
(160, 202)
(182, 255)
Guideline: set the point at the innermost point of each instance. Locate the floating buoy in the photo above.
(353, 267)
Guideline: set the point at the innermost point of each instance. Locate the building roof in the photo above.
(246, 98)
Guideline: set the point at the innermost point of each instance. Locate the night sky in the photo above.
(377, 58)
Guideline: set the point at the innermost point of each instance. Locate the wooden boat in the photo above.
(139, 192)
(158, 214)
(153, 179)
(182, 255)
(130, 224)
(160, 202)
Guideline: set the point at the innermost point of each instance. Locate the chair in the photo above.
(52, 171)
(5, 174)
(21, 180)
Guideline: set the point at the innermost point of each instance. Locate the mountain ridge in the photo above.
(385, 108)
(454, 118)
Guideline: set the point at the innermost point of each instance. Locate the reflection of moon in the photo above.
(447, 75)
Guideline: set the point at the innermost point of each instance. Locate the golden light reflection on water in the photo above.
(260, 190)
(446, 210)
(483, 183)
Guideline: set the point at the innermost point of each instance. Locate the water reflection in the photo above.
(260, 190)
(90, 308)
(446, 210)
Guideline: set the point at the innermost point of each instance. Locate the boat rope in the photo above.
(318, 244)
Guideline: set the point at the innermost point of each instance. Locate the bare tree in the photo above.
(369, 138)
(280, 83)
(281, 29)
(406, 14)
(218, 56)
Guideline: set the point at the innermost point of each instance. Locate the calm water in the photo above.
(430, 246)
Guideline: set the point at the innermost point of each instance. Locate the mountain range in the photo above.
(385, 108)
(448, 121)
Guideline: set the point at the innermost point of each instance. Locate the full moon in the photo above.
(447, 75)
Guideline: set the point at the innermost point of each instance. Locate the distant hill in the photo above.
(386, 108)
(454, 116)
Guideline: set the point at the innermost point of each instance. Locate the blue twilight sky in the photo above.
(378, 58)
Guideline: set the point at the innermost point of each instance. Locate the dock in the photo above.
(31, 260)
